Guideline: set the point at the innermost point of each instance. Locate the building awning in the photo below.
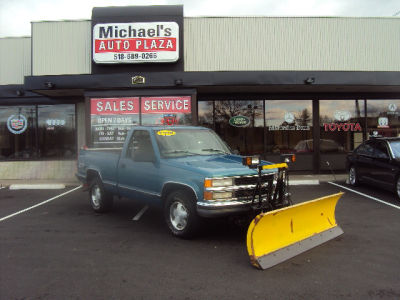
(262, 82)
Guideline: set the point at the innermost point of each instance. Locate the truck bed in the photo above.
(105, 161)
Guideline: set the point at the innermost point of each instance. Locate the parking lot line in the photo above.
(140, 213)
(365, 195)
(39, 204)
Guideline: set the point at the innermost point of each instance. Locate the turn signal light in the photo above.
(251, 161)
(207, 183)
(208, 195)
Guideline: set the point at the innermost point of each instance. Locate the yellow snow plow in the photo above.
(282, 230)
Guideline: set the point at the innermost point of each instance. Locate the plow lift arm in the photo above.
(283, 230)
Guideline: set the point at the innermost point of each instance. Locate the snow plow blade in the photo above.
(278, 235)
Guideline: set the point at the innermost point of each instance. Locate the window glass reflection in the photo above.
(288, 126)
(18, 132)
(57, 135)
(341, 125)
(241, 124)
(205, 113)
(383, 117)
(37, 132)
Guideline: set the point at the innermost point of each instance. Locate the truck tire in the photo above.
(100, 200)
(181, 215)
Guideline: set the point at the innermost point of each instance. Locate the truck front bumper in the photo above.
(223, 208)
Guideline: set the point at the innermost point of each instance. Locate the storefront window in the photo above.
(205, 113)
(57, 133)
(18, 132)
(341, 125)
(169, 110)
(241, 124)
(383, 117)
(288, 126)
(111, 119)
(37, 132)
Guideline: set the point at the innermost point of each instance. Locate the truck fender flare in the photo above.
(91, 173)
(171, 186)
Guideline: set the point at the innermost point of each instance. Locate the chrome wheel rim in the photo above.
(398, 187)
(178, 215)
(352, 176)
(95, 196)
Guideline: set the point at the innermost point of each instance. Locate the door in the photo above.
(364, 157)
(138, 169)
(382, 171)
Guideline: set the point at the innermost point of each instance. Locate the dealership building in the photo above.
(314, 86)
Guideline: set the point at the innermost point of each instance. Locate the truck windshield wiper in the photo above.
(214, 150)
(180, 151)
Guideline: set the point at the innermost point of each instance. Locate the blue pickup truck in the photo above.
(187, 170)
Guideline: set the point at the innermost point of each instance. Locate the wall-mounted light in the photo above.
(178, 81)
(49, 84)
(309, 80)
(20, 92)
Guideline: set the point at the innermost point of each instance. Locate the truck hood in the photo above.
(214, 165)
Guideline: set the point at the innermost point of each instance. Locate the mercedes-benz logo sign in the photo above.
(289, 117)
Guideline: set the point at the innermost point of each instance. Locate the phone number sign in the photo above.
(155, 42)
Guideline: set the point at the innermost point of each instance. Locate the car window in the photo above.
(140, 145)
(381, 150)
(395, 146)
(365, 149)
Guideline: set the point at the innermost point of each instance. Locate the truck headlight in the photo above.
(218, 182)
(217, 195)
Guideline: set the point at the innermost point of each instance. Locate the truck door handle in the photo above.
(122, 166)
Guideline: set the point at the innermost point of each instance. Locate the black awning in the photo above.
(247, 81)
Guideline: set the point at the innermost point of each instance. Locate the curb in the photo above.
(44, 186)
(303, 182)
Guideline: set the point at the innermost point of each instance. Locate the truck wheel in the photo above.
(180, 214)
(101, 200)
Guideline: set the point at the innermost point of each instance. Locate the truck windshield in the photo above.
(184, 142)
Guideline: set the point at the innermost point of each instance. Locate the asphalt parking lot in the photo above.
(63, 250)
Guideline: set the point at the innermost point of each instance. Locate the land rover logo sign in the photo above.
(17, 124)
(239, 121)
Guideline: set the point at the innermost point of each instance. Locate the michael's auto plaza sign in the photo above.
(136, 42)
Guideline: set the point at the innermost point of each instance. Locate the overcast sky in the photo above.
(16, 15)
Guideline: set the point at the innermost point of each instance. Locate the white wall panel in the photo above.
(15, 60)
(61, 47)
(62, 169)
(298, 43)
